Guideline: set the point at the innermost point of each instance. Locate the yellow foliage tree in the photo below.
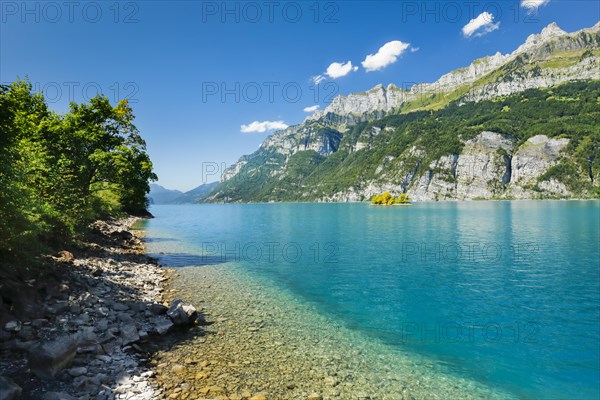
(402, 199)
(386, 196)
(387, 199)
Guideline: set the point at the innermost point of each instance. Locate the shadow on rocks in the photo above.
(90, 331)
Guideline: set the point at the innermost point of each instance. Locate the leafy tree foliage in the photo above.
(59, 172)
(387, 199)
(402, 199)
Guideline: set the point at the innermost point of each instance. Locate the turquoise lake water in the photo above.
(504, 293)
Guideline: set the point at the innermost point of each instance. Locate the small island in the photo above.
(386, 199)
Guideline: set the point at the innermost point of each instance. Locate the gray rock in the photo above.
(483, 167)
(129, 334)
(109, 347)
(83, 319)
(86, 385)
(89, 346)
(162, 325)
(88, 333)
(78, 371)
(89, 299)
(181, 314)
(13, 326)
(25, 346)
(102, 325)
(45, 360)
(104, 358)
(58, 307)
(125, 317)
(137, 307)
(57, 396)
(9, 390)
(75, 308)
(39, 323)
(123, 235)
(103, 311)
(27, 333)
(157, 309)
(120, 307)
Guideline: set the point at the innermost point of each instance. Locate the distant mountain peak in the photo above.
(548, 33)
(537, 46)
(552, 30)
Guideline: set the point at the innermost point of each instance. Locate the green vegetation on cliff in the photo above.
(59, 172)
(399, 148)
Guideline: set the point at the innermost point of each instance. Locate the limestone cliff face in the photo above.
(289, 141)
(488, 167)
(379, 98)
(484, 167)
(531, 161)
(304, 137)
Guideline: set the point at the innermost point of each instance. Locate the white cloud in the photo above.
(337, 70)
(317, 79)
(311, 108)
(533, 4)
(414, 49)
(334, 71)
(387, 54)
(481, 25)
(263, 126)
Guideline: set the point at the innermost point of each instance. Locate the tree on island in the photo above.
(387, 199)
(402, 199)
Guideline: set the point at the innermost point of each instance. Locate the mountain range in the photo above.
(508, 126)
(161, 195)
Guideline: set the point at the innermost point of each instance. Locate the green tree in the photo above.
(587, 155)
(59, 172)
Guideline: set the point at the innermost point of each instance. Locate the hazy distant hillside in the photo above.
(196, 195)
(161, 195)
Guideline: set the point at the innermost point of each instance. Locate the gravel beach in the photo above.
(82, 334)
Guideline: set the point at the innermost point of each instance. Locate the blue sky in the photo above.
(197, 71)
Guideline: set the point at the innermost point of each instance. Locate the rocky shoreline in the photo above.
(92, 330)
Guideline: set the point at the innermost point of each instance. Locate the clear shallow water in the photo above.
(505, 293)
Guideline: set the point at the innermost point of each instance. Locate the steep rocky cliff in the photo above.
(520, 125)
(488, 167)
